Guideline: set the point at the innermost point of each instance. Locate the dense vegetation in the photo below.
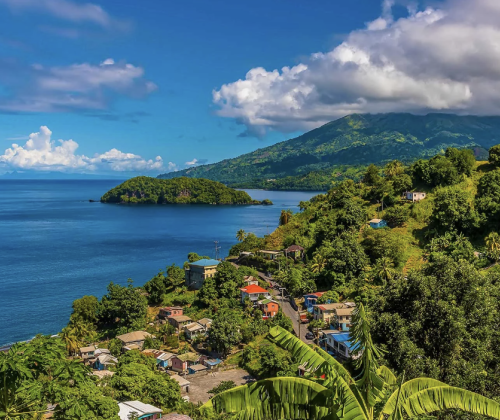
(328, 151)
(183, 190)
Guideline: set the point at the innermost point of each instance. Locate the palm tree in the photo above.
(241, 235)
(493, 244)
(285, 217)
(333, 394)
(384, 269)
(318, 263)
(70, 338)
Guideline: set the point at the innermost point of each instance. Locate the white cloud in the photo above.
(192, 163)
(172, 167)
(42, 153)
(445, 59)
(67, 10)
(71, 88)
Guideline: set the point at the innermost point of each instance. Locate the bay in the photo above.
(56, 246)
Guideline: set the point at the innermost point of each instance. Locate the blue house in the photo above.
(311, 299)
(340, 344)
(104, 361)
(163, 358)
(212, 363)
(378, 223)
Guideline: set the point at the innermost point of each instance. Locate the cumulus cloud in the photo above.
(66, 10)
(70, 88)
(435, 59)
(42, 153)
(192, 162)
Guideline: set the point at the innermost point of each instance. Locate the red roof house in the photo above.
(253, 292)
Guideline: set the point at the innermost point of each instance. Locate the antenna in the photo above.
(217, 248)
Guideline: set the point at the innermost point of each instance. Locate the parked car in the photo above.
(310, 336)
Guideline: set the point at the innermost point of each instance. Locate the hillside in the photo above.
(143, 189)
(353, 140)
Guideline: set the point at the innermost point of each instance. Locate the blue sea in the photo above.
(56, 246)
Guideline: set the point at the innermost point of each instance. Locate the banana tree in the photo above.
(331, 393)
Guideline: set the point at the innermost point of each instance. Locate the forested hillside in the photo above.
(144, 189)
(330, 150)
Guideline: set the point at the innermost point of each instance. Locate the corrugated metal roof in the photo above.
(205, 263)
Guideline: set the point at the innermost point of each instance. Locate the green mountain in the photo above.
(358, 139)
(143, 189)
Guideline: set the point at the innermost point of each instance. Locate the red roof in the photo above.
(319, 294)
(253, 288)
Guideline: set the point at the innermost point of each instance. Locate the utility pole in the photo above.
(217, 248)
(298, 315)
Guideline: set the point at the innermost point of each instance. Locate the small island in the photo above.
(143, 189)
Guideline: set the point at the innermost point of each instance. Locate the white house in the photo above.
(139, 409)
(414, 196)
(253, 292)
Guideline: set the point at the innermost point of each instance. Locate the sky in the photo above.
(129, 87)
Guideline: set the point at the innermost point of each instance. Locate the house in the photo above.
(198, 271)
(175, 416)
(170, 311)
(142, 411)
(244, 254)
(133, 340)
(310, 300)
(342, 318)
(87, 352)
(104, 361)
(163, 358)
(340, 345)
(196, 368)
(181, 362)
(295, 252)
(212, 363)
(268, 307)
(414, 196)
(377, 223)
(206, 323)
(183, 382)
(270, 255)
(179, 321)
(249, 280)
(103, 373)
(253, 292)
(194, 330)
(327, 312)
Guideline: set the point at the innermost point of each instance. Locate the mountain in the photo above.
(143, 189)
(357, 139)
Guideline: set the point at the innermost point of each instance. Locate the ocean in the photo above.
(56, 246)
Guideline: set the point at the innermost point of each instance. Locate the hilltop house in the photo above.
(414, 196)
(249, 280)
(295, 252)
(377, 223)
(329, 312)
(193, 330)
(129, 409)
(170, 311)
(133, 340)
(212, 363)
(181, 362)
(162, 358)
(253, 292)
(339, 344)
(310, 300)
(87, 352)
(198, 271)
(268, 307)
(206, 323)
(179, 321)
(104, 361)
(342, 318)
(270, 255)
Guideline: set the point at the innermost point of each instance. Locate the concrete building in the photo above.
(140, 410)
(414, 196)
(199, 271)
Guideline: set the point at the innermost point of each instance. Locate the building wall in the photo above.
(178, 365)
(196, 275)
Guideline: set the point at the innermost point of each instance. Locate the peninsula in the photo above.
(143, 189)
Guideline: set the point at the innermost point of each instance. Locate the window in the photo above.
(341, 347)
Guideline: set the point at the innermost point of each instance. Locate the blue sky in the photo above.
(157, 85)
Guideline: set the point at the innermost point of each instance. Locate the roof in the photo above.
(101, 351)
(317, 294)
(266, 301)
(198, 367)
(270, 252)
(107, 359)
(248, 279)
(205, 263)
(134, 336)
(212, 362)
(180, 318)
(192, 357)
(344, 338)
(294, 248)
(331, 306)
(375, 221)
(87, 349)
(253, 288)
(180, 380)
(132, 347)
(102, 373)
(175, 416)
(129, 407)
(194, 326)
(345, 311)
(163, 355)
(205, 321)
(171, 308)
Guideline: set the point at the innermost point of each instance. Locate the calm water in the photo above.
(55, 246)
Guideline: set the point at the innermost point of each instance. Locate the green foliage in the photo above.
(380, 243)
(183, 190)
(250, 243)
(494, 155)
(397, 215)
(85, 310)
(225, 332)
(223, 386)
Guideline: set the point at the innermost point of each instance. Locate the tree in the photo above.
(397, 215)
(463, 160)
(338, 395)
(384, 270)
(223, 386)
(402, 183)
(285, 217)
(494, 155)
(318, 263)
(85, 310)
(240, 235)
(493, 245)
(71, 340)
(156, 288)
(454, 209)
(225, 333)
(371, 177)
(393, 169)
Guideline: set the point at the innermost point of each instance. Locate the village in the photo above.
(196, 367)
